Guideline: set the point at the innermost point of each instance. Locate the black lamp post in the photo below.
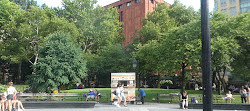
(134, 63)
(206, 57)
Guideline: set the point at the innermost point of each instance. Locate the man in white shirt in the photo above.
(11, 91)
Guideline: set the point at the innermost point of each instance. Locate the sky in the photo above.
(193, 3)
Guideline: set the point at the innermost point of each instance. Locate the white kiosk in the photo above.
(128, 79)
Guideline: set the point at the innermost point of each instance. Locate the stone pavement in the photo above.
(131, 107)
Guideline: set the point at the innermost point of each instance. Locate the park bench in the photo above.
(104, 97)
(33, 96)
(66, 97)
(170, 97)
(221, 97)
(49, 97)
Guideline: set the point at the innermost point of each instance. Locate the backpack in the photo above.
(114, 92)
(193, 100)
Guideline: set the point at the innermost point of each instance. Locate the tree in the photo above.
(241, 64)
(170, 44)
(223, 47)
(98, 27)
(150, 58)
(61, 62)
(111, 58)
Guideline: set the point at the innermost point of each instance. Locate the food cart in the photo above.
(128, 79)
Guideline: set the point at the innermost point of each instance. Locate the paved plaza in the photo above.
(146, 107)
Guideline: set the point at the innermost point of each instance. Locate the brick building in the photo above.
(132, 13)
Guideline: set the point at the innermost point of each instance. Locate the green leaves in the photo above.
(61, 62)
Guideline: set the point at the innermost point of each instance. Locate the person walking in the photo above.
(118, 94)
(11, 91)
(248, 93)
(123, 95)
(243, 94)
(142, 94)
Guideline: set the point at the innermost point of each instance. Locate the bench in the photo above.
(49, 97)
(66, 97)
(104, 97)
(221, 97)
(170, 97)
(33, 96)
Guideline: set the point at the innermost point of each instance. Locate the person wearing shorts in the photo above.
(91, 95)
(11, 91)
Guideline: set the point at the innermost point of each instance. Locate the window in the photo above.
(244, 6)
(128, 3)
(224, 11)
(151, 1)
(215, 4)
(137, 1)
(223, 3)
(121, 16)
(119, 6)
(233, 11)
(232, 2)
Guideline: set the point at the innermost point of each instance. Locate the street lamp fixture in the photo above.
(134, 62)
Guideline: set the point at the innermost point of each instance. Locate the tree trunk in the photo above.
(19, 72)
(159, 79)
(183, 77)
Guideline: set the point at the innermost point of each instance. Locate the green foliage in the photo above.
(98, 27)
(111, 58)
(61, 62)
(241, 66)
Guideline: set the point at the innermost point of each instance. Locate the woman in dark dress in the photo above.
(184, 98)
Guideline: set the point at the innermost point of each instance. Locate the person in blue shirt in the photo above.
(91, 95)
(143, 95)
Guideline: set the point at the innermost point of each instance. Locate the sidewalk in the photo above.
(130, 107)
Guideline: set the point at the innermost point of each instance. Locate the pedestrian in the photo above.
(248, 93)
(11, 91)
(142, 94)
(243, 94)
(123, 97)
(118, 94)
(2, 102)
(184, 99)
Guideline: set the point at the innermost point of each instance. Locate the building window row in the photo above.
(233, 11)
(224, 10)
(232, 2)
(151, 1)
(215, 4)
(244, 6)
(223, 3)
(128, 4)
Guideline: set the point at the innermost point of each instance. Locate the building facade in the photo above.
(132, 12)
(232, 7)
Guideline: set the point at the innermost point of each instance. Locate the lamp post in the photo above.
(206, 57)
(134, 64)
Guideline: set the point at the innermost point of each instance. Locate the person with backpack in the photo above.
(243, 94)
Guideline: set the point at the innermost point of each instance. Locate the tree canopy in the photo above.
(61, 63)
